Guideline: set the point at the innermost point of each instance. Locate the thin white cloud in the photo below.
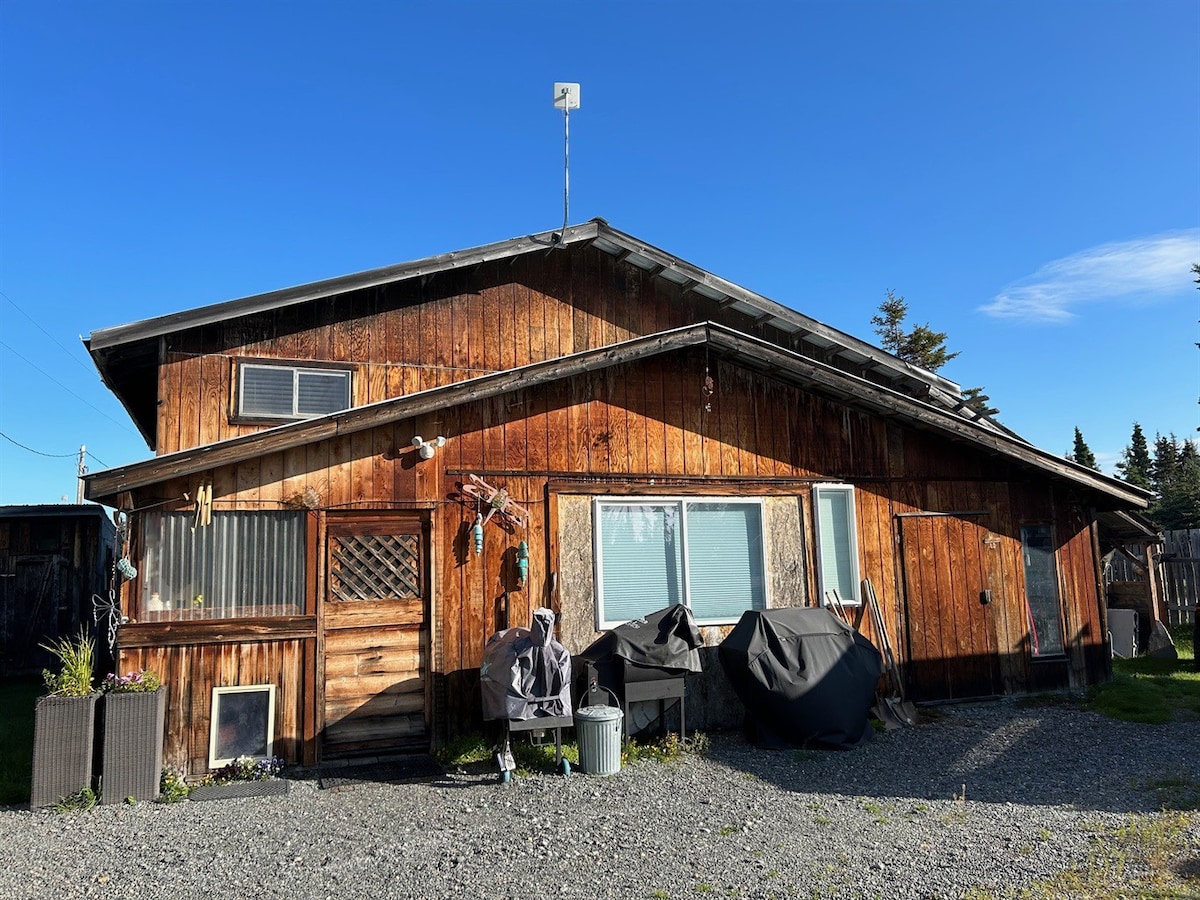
(1142, 269)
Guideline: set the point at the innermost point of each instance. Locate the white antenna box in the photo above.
(566, 95)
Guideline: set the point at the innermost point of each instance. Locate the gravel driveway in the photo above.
(1042, 785)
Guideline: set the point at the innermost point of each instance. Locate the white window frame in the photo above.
(295, 414)
(214, 761)
(852, 510)
(681, 502)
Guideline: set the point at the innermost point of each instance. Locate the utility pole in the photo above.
(82, 472)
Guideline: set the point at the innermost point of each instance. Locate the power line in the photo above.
(39, 452)
(82, 364)
(65, 388)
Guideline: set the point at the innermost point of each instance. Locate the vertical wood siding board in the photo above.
(618, 418)
(211, 389)
(516, 435)
(271, 479)
(524, 312)
(565, 305)
(475, 319)
(189, 406)
(656, 448)
(248, 477)
(635, 415)
(362, 465)
(576, 422)
(557, 425)
(537, 452)
(747, 443)
(764, 444)
(383, 456)
(493, 432)
(491, 327)
(538, 337)
(471, 434)
(443, 341)
(681, 415)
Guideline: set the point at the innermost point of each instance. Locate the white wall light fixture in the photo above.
(426, 449)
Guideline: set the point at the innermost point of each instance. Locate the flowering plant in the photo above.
(143, 681)
(246, 768)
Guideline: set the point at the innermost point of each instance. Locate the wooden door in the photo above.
(376, 638)
(951, 633)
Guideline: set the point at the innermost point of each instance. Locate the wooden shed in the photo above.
(53, 559)
(673, 437)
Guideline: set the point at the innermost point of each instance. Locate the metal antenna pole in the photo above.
(566, 168)
(82, 472)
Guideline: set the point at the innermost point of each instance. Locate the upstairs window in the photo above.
(290, 392)
(706, 553)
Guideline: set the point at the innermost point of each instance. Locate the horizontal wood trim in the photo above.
(368, 687)
(759, 487)
(374, 729)
(373, 662)
(215, 631)
(373, 641)
(377, 706)
(374, 613)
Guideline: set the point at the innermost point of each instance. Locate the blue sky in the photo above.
(1026, 174)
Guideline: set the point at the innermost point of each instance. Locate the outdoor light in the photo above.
(425, 449)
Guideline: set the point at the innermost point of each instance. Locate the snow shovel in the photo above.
(898, 708)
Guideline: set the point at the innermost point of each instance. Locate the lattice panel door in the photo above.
(375, 567)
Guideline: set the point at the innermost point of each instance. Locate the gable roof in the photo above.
(748, 351)
(121, 346)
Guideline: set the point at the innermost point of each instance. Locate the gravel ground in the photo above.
(1042, 784)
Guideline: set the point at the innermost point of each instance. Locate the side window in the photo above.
(290, 392)
(1041, 591)
(837, 542)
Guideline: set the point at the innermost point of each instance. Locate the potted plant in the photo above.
(64, 724)
(132, 715)
(246, 776)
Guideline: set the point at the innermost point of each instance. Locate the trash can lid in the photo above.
(599, 713)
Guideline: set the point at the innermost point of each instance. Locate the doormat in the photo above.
(419, 767)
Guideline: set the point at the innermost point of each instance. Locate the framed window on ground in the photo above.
(245, 563)
(706, 553)
(837, 542)
(272, 391)
(1042, 601)
(243, 723)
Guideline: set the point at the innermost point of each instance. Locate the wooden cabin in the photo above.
(54, 559)
(672, 437)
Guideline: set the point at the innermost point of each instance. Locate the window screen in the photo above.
(287, 392)
(706, 553)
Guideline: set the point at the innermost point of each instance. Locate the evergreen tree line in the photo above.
(1172, 472)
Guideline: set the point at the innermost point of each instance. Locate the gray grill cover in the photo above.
(804, 676)
(525, 672)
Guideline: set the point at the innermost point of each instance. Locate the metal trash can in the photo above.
(598, 731)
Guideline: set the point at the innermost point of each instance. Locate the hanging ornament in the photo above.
(707, 390)
(477, 533)
(522, 563)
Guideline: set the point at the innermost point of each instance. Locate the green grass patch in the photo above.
(17, 697)
(1153, 691)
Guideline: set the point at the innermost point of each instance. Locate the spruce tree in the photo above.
(921, 346)
(1082, 453)
(1135, 460)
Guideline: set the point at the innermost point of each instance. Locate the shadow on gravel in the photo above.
(1002, 752)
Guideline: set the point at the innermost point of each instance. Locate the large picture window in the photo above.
(1041, 591)
(705, 553)
(244, 563)
(290, 392)
(837, 541)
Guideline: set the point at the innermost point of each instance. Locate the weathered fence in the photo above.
(1177, 571)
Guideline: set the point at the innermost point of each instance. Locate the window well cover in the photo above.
(804, 676)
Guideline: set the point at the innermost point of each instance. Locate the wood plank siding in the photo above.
(650, 426)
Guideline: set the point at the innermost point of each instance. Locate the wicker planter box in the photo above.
(64, 730)
(131, 761)
(268, 788)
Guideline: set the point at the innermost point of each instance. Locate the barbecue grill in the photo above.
(525, 681)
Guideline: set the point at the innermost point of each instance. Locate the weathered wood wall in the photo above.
(643, 427)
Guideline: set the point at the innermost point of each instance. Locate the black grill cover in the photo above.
(804, 676)
(666, 639)
(526, 672)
